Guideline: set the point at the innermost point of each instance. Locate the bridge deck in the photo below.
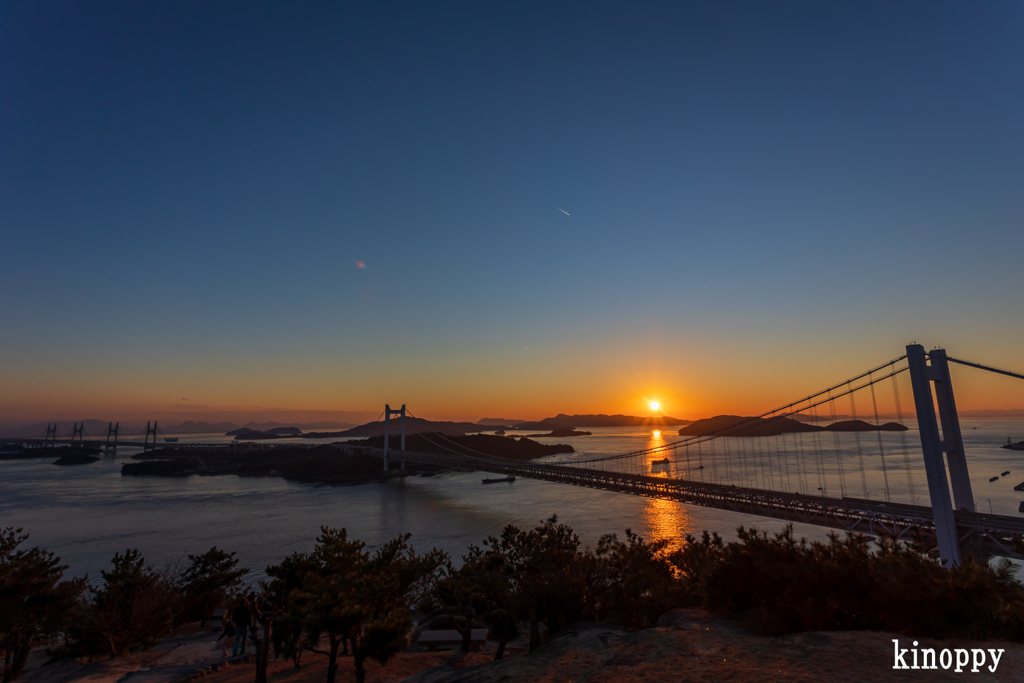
(989, 534)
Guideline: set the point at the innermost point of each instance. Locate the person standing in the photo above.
(242, 617)
(227, 636)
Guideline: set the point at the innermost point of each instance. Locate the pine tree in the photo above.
(208, 580)
(35, 601)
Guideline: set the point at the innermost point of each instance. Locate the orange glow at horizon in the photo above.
(252, 382)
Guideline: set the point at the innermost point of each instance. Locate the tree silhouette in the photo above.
(35, 601)
(540, 573)
(289, 638)
(131, 611)
(208, 580)
(350, 594)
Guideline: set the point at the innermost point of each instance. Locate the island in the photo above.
(339, 463)
(66, 455)
(560, 433)
(79, 457)
(735, 425)
(413, 425)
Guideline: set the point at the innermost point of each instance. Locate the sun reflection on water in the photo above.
(666, 519)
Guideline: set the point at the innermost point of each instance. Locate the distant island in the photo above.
(510, 448)
(560, 433)
(65, 455)
(413, 425)
(79, 458)
(342, 463)
(757, 426)
(246, 434)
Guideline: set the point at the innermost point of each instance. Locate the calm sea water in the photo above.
(86, 513)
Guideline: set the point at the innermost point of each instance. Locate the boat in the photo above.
(663, 465)
(994, 479)
(1004, 473)
(1020, 508)
(171, 439)
(1019, 487)
(510, 477)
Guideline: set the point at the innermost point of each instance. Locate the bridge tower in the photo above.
(50, 440)
(77, 432)
(388, 412)
(146, 445)
(108, 447)
(923, 377)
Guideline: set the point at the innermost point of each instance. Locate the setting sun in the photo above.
(655, 405)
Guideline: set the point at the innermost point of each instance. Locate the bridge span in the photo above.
(950, 525)
(986, 533)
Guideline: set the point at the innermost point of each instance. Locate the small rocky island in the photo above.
(79, 457)
(560, 433)
(65, 455)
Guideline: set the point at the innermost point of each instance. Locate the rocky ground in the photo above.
(177, 658)
(687, 645)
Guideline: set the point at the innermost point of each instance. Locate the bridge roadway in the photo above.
(987, 533)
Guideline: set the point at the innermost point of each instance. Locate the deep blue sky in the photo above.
(791, 189)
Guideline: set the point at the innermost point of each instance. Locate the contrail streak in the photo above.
(562, 210)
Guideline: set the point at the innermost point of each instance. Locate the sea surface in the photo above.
(87, 513)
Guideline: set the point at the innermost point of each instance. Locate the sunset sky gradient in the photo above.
(502, 211)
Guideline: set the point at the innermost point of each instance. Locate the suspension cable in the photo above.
(983, 367)
(903, 441)
(881, 451)
(736, 427)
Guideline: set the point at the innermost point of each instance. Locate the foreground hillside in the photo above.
(692, 645)
(687, 645)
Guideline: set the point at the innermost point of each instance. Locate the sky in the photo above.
(502, 210)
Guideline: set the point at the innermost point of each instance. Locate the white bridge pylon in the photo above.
(928, 371)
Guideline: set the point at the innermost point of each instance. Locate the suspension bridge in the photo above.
(792, 473)
(739, 468)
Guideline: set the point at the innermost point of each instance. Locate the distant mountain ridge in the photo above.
(562, 421)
